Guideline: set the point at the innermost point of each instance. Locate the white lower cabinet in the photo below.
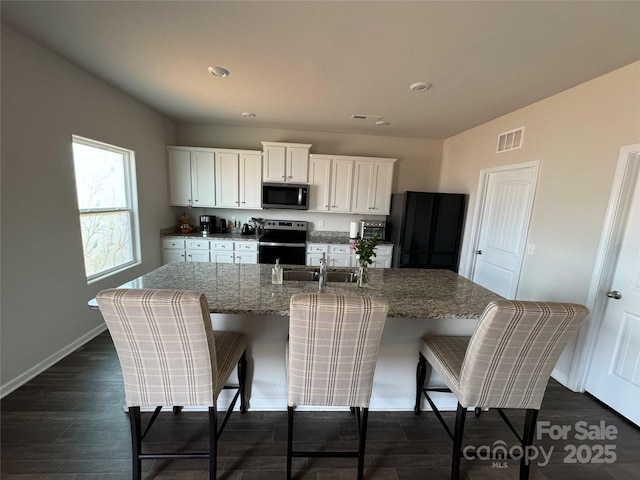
(246, 252)
(341, 255)
(314, 253)
(384, 254)
(197, 250)
(173, 250)
(222, 251)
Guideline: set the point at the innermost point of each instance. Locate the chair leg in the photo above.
(421, 372)
(527, 440)
(213, 442)
(242, 380)
(363, 440)
(289, 441)
(457, 442)
(136, 442)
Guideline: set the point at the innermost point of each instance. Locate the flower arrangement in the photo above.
(364, 248)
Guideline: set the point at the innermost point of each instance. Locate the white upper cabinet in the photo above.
(250, 180)
(227, 181)
(330, 183)
(285, 162)
(372, 183)
(191, 177)
(319, 183)
(238, 179)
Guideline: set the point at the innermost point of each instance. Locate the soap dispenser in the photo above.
(276, 273)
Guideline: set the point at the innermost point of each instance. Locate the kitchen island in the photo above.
(242, 298)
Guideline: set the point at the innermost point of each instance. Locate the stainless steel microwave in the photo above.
(285, 195)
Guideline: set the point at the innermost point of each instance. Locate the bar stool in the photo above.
(506, 363)
(331, 358)
(170, 356)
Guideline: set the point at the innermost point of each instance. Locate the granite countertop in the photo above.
(247, 289)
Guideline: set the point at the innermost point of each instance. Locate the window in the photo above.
(107, 203)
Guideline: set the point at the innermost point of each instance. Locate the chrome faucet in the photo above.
(322, 277)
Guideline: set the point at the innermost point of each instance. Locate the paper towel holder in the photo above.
(354, 231)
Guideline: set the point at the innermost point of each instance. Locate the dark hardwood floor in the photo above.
(68, 423)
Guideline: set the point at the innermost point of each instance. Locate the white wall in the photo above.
(45, 100)
(577, 135)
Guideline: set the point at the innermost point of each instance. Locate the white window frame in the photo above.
(131, 207)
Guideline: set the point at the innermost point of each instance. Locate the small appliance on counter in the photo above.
(372, 228)
(223, 225)
(207, 224)
(248, 229)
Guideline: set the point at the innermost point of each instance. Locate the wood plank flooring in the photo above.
(68, 423)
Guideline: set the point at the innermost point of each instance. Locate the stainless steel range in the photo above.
(283, 239)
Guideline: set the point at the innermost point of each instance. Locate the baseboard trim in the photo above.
(36, 370)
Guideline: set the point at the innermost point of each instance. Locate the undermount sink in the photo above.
(313, 275)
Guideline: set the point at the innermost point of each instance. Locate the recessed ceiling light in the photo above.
(420, 86)
(382, 123)
(218, 71)
(248, 114)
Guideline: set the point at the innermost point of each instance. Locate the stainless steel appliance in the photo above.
(207, 223)
(285, 195)
(372, 228)
(426, 229)
(283, 239)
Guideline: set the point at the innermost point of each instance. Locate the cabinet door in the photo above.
(227, 180)
(380, 194)
(319, 183)
(218, 256)
(297, 164)
(171, 255)
(274, 163)
(364, 174)
(197, 256)
(203, 179)
(179, 177)
(313, 259)
(246, 258)
(250, 180)
(341, 185)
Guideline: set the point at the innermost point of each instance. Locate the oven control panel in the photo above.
(285, 225)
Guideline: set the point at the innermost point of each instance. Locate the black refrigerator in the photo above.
(426, 229)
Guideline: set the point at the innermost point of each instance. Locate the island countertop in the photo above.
(247, 289)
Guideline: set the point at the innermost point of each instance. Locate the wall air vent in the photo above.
(510, 140)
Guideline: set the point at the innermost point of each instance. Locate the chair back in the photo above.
(333, 349)
(165, 344)
(514, 349)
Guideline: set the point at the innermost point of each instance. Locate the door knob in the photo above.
(616, 295)
(478, 252)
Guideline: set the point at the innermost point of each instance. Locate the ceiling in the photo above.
(311, 65)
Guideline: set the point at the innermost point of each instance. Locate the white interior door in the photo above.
(614, 376)
(505, 202)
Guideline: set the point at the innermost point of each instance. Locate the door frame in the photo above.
(476, 228)
(626, 175)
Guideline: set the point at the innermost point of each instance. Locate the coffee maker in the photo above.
(207, 224)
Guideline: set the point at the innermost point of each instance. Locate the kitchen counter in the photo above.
(242, 298)
(247, 289)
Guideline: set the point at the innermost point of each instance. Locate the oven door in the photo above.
(288, 253)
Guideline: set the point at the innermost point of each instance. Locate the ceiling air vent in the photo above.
(510, 140)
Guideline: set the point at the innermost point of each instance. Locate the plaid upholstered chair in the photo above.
(505, 364)
(170, 356)
(331, 358)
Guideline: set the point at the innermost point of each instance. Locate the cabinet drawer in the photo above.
(173, 243)
(247, 246)
(384, 250)
(224, 245)
(198, 244)
(317, 248)
(341, 249)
